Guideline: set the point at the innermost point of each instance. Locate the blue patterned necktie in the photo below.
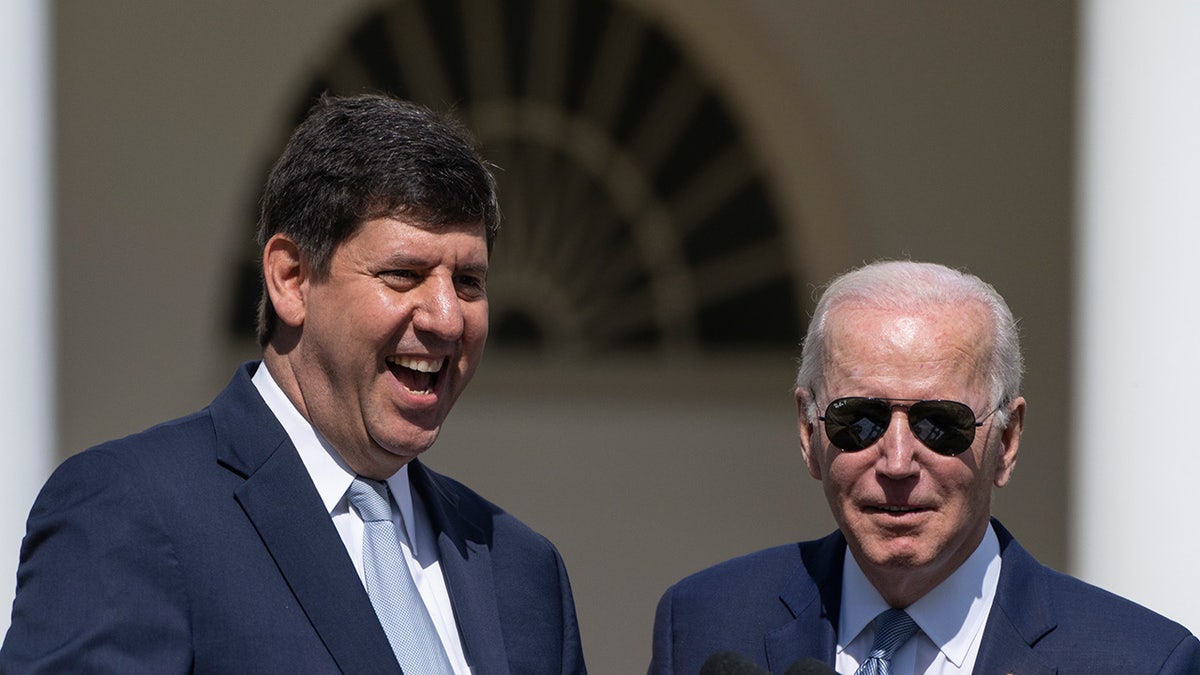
(390, 586)
(893, 628)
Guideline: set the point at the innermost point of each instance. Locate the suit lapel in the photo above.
(1020, 616)
(813, 596)
(281, 501)
(465, 555)
(1004, 650)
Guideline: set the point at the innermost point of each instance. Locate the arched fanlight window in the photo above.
(635, 213)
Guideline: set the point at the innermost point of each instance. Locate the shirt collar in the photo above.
(950, 615)
(329, 472)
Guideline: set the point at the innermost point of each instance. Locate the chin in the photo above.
(409, 446)
(895, 555)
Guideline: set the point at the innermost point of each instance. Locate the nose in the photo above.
(437, 309)
(897, 449)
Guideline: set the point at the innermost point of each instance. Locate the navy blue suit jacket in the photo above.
(780, 605)
(201, 545)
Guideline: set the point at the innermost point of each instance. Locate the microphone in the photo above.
(809, 666)
(730, 663)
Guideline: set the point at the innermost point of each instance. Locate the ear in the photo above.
(807, 429)
(1010, 441)
(286, 277)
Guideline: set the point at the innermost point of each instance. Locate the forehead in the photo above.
(928, 352)
(398, 235)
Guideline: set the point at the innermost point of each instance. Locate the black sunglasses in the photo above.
(857, 422)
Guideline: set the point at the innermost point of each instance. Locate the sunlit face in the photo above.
(390, 339)
(910, 515)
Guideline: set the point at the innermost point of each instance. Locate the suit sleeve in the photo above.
(660, 657)
(99, 588)
(1185, 659)
(572, 649)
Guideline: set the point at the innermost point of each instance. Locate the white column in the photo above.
(1135, 492)
(26, 299)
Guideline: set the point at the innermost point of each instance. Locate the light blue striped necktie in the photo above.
(893, 628)
(390, 586)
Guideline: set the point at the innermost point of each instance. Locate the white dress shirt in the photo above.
(951, 617)
(332, 477)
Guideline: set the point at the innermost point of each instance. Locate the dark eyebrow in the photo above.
(403, 260)
(474, 269)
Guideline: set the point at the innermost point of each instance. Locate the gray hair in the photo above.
(905, 284)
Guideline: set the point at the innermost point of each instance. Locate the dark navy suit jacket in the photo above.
(780, 605)
(201, 545)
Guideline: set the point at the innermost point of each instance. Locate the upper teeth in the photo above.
(413, 363)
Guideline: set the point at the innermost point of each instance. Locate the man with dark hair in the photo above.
(910, 414)
(289, 526)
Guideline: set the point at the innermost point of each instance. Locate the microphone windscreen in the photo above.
(730, 663)
(809, 666)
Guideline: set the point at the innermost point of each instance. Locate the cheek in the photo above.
(475, 317)
(375, 318)
(480, 327)
(842, 470)
(970, 487)
(989, 465)
(474, 337)
(476, 330)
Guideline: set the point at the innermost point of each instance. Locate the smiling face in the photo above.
(910, 515)
(376, 353)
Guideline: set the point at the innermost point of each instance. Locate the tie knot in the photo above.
(893, 628)
(370, 499)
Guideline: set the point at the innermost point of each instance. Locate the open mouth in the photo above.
(418, 375)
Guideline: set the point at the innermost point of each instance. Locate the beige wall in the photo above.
(939, 130)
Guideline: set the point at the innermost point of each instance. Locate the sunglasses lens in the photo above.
(946, 427)
(855, 423)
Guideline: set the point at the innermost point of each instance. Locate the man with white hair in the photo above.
(910, 414)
